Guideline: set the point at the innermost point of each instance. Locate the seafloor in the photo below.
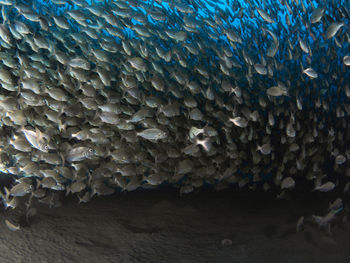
(160, 226)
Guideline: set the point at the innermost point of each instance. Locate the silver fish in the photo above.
(300, 224)
(311, 73)
(287, 183)
(21, 189)
(152, 134)
(326, 187)
(78, 154)
(340, 159)
(333, 29)
(239, 121)
(265, 16)
(316, 15)
(265, 148)
(36, 139)
(276, 91)
(12, 226)
(346, 60)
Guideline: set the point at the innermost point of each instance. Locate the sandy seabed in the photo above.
(161, 226)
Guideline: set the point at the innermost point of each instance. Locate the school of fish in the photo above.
(121, 95)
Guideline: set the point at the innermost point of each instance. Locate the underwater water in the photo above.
(99, 97)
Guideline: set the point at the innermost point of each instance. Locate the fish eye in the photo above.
(91, 150)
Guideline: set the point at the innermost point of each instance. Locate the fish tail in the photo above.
(9, 140)
(38, 183)
(3, 199)
(7, 192)
(61, 126)
(68, 190)
(3, 12)
(258, 147)
(21, 129)
(39, 134)
(62, 158)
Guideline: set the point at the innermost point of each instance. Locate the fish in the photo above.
(346, 60)
(36, 138)
(184, 167)
(205, 143)
(340, 159)
(316, 15)
(326, 187)
(333, 29)
(48, 182)
(265, 148)
(260, 69)
(80, 153)
(85, 198)
(21, 189)
(325, 220)
(299, 224)
(276, 91)
(226, 242)
(346, 188)
(12, 226)
(336, 204)
(265, 16)
(194, 132)
(138, 63)
(152, 134)
(186, 189)
(311, 73)
(5, 35)
(303, 46)
(287, 183)
(155, 179)
(76, 187)
(239, 121)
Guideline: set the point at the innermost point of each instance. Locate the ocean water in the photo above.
(232, 59)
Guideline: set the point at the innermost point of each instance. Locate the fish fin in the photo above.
(21, 129)
(90, 177)
(79, 199)
(9, 141)
(28, 204)
(41, 136)
(61, 127)
(5, 13)
(38, 183)
(258, 147)
(67, 70)
(67, 191)
(7, 192)
(11, 226)
(61, 112)
(97, 114)
(203, 129)
(2, 13)
(93, 192)
(63, 159)
(20, 80)
(231, 92)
